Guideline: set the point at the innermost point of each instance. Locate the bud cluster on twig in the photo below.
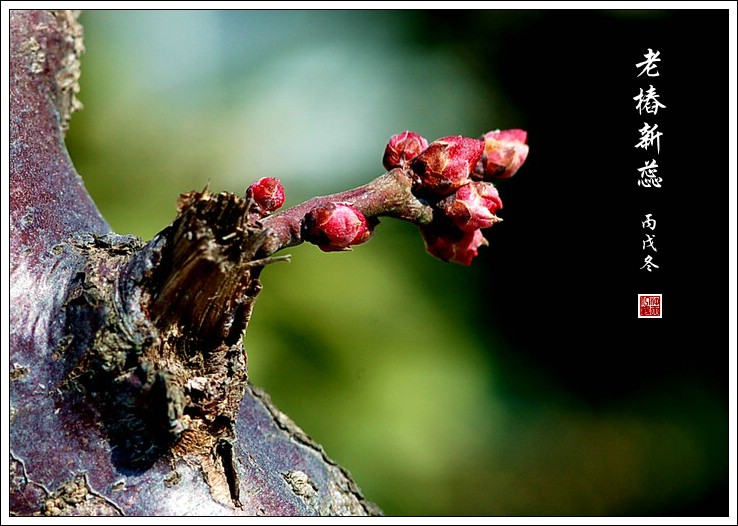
(455, 174)
(444, 187)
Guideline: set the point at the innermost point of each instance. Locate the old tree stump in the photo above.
(129, 391)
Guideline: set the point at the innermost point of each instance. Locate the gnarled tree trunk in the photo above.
(129, 390)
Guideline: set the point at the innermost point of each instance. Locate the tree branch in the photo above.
(388, 195)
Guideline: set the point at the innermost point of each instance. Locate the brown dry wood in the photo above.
(129, 392)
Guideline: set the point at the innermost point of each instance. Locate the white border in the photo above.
(732, 258)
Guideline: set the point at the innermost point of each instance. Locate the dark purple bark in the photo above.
(129, 391)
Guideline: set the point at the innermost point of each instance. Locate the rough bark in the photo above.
(129, 390)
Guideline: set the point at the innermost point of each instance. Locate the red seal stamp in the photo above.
(649, 305)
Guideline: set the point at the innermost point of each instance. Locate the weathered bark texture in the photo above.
(129, 391)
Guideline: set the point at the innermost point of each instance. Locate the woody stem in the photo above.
(389, 194)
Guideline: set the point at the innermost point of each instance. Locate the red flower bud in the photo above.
(451, 244)
(267, 193)
(403, 148)
(505, 152)
(446, 164)
(336, 226)
(472, 206)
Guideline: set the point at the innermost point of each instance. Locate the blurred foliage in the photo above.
(425, 380)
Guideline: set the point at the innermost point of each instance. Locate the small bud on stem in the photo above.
(403, 148)
(446, 164)
(448, 243)
(335, 226)
(505, 152)
(472, 206)
(267, 194)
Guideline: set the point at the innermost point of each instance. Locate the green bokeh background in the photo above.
(392, 360)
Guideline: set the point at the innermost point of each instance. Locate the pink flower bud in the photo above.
(446, 164)
(505, 152)
(451, 244)
(336, 226)
(267, 193)
(403, 148)
(472, 206)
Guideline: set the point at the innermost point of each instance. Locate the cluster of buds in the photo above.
(445, 187)
(454, 175)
